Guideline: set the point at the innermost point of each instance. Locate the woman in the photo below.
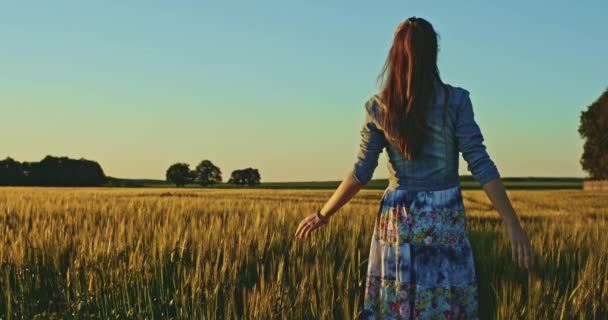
(420, 262)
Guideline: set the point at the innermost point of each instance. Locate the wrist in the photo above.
(323, 217)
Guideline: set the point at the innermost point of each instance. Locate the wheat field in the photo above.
(230, 254)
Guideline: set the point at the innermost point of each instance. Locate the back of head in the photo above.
(408, 84)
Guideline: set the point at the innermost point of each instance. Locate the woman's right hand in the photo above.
(520, 244)
(521, 249)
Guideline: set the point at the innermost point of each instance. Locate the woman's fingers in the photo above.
(514, 252)
(309, 230)
(308, 224)
(299, 230)
(528, 258)
(305, 223)
(522, 254)
(305, 227)
(301, 227)
(305, 230)
(521, 248)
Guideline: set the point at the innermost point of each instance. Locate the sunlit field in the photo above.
(231, 254)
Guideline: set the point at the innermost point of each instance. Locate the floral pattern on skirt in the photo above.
(421, 262)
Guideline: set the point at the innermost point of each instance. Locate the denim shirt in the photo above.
(436, 167)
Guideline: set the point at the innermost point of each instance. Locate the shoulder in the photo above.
(374, 112)
(458, 94)
(374, 104)
(374, 107)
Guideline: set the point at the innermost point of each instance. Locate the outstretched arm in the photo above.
(470, 143)
(521, 249)
(347, 189)
(497, 194)
(371, 145)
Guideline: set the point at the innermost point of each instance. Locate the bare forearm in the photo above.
(497, 194)
(347, 189)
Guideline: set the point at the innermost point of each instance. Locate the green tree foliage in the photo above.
(248, 176)
(52, 171)
(180, 174)
(207, 173)
(11, 173)
(594, 129)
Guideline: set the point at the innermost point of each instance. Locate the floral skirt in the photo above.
(420, 262)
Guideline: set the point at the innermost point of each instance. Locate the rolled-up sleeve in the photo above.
(371, 145)
(470, 143)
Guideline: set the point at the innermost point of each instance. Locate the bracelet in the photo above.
(325, 219)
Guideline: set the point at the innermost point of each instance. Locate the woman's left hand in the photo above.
(309, 224)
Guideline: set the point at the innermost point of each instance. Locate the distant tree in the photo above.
(11, 173)
(594, 129)
(52, 171)
(207, 173)
(180, 174)
(27, 172)
(248, 176)
(63, 171)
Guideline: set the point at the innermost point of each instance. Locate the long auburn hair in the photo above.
(407, 84)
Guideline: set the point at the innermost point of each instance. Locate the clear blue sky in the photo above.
(280, 86)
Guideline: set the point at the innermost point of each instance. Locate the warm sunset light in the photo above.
(304, 160)
(280, 86)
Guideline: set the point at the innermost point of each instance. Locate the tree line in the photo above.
(67, 172)
(51, 171)
(206, 173)
(63, 171)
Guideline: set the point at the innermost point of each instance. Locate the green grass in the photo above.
(468, 183)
